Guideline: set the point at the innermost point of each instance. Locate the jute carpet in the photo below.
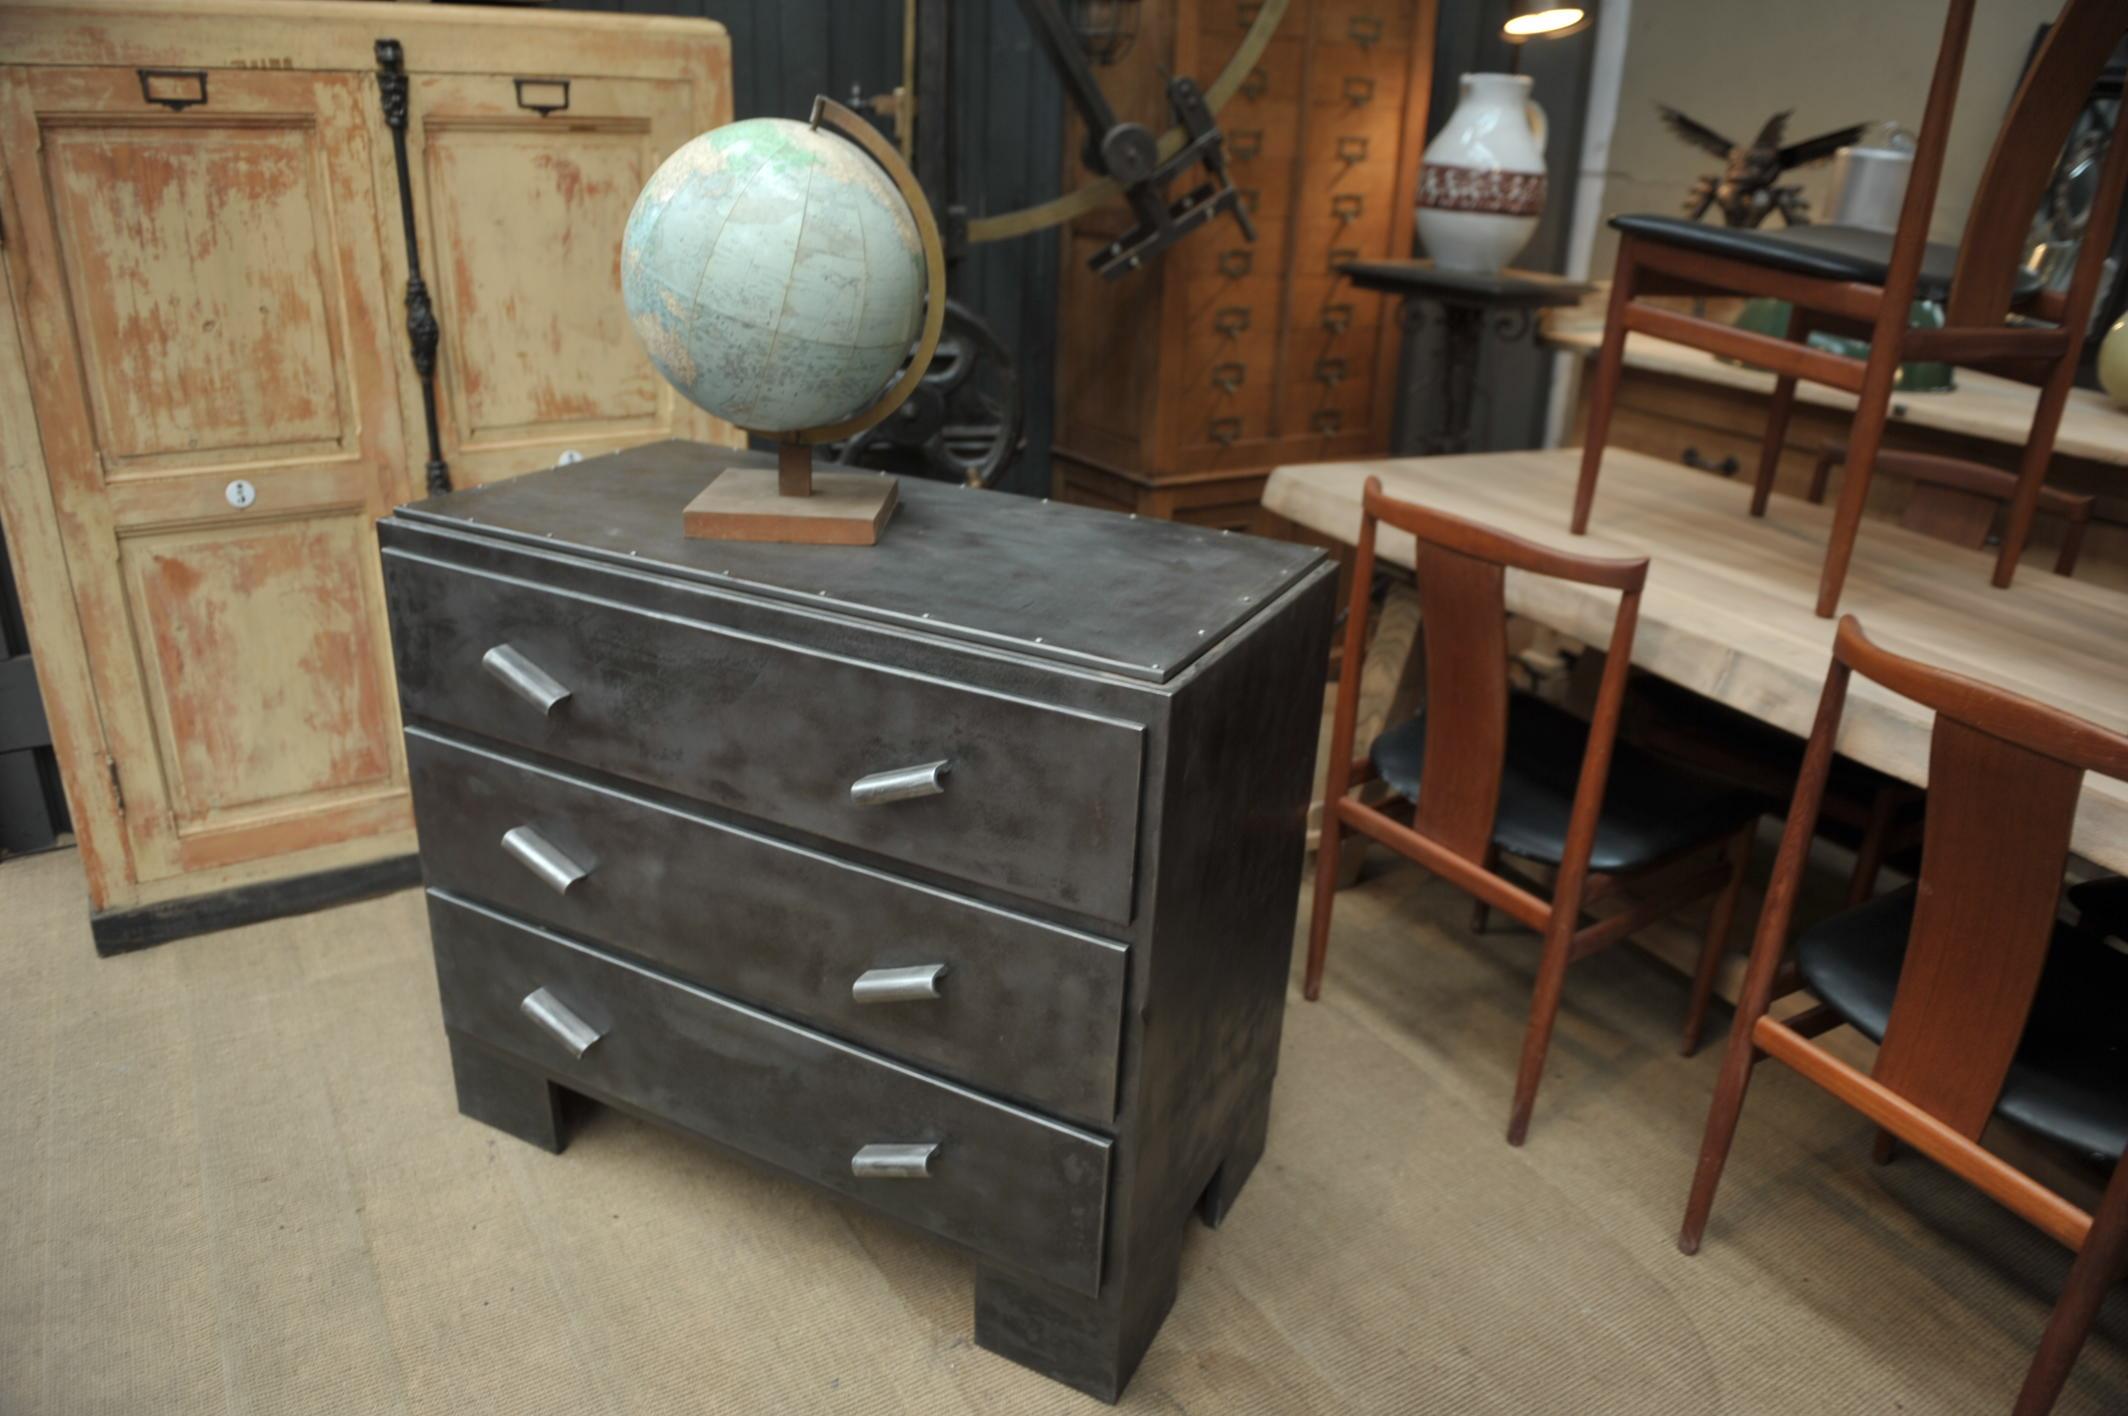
(232, 1179)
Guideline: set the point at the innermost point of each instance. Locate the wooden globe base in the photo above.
(792, 503)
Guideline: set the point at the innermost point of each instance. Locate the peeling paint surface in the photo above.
(774, 275)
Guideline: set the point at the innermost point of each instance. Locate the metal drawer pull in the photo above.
(1352, 151)
(560, 1020)
(1255, 85)
(1366, 30)
(1347, 208)
(1358, 90)
(906, 985)
(1235, 264)
(543, 858)
(1229, 377)
(901, 784)
(1245, 144)
(524, 678)
(877, 1162)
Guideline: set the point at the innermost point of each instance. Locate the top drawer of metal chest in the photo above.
(1030, 798)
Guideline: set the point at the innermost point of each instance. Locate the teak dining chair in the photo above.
(1981, 1004)
(1961, 501)
(1849, 280)
(1491, 772)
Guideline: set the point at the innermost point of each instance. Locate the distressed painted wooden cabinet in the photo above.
(955, 874)
(1180, 386)
(208, 394)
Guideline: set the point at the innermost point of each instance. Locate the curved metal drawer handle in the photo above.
(901, 784)
(892, 1162)
(913, 984)
(524, 678)
(560, 1021)
(543, 858)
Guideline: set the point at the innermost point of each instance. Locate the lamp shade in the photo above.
(1534, 19)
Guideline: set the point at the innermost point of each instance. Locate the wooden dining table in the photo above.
(1728, 608)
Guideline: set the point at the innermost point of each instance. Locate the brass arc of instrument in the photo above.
(1006, 225)
(827, 111)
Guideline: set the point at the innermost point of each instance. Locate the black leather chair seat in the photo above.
(2102, 906)
(2069, 1081)
(1652, 807)
(1828, 252)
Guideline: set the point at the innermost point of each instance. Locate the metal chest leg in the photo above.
(1251, 1130)
(507, 1096)
(1093, 1344)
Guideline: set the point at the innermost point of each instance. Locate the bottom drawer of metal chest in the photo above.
(1021, 1188)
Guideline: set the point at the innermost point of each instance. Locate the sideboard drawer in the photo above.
(1029, 1192)
(1033, 799)
(1022, 1008)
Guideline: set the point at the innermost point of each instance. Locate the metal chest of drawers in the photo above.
(955, 874)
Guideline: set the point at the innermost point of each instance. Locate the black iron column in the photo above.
(421, 328)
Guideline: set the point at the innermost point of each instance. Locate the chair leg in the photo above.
(1326, 866)
(1777, 414)
(1884, 1149)
(1719, 922)
(2098, 1266)
(2032, 470)
(1603, 386)
(1481, 913)
(1537, 1038)
(1873, 406)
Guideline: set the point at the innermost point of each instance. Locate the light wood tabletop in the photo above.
(1728, 606)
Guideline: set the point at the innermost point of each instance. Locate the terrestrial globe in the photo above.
(774, 275)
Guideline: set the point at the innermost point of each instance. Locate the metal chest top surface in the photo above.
(1125, 595)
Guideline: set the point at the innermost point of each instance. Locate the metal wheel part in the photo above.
(962, 423)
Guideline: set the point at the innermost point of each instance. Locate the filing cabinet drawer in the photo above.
(1032, 799)
(1022, 1008)
(1007, 1183)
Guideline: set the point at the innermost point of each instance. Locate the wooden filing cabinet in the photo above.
(1182, 385)
(974, 907)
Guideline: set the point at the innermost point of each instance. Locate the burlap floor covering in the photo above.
(233, 1179)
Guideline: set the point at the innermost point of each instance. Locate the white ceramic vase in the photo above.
(1481, 188)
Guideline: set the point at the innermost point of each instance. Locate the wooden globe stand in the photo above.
(797, 502)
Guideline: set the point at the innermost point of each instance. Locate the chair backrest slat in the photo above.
(1464, 620)
(2004, 776)
(1994, 843)
(2055, 89)
(1462, 575)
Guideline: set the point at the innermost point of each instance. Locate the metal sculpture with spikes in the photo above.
(1749, 188)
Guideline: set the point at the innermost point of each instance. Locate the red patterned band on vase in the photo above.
(1445, 187)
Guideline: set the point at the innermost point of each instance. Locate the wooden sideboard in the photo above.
(1683, 405)
(209, 395)
(1181, 385)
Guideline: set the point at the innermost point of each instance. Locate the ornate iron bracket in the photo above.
(422, 331)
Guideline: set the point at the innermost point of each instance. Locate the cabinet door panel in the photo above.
(199, 290)
(521, 217)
